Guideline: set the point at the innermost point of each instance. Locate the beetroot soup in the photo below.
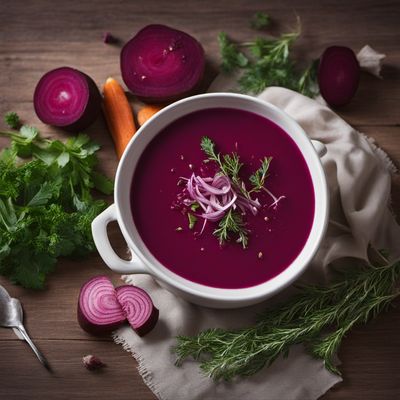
(180, 202)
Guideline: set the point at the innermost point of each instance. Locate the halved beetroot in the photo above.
(138, 307)
(99, 312)
(162, 64)
(102, 309)
(67, 98)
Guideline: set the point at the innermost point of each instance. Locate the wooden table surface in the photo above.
(38, 35)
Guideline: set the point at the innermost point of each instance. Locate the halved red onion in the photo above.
(138, 307)
(67, 98)
(162, 64)
(98, 309)
(338, 75)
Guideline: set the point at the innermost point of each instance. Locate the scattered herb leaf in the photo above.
(195, 206)
(192, 220)
(12, 120)
(260, 20)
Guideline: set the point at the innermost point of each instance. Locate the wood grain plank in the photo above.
(22, 377)
(58, 36)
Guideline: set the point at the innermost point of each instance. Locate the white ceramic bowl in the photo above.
(143, 262)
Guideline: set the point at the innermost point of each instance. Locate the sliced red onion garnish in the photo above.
(214, 195)
(276, 199)
(98, 309)
(138, 308)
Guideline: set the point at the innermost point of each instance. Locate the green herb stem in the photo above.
(319, 317)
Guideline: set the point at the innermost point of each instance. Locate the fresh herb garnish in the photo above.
(12, 120)
(232, 224)
(260, 20)
(267, 63)
(46, 205)
(224, 198)
(229, 164)
(192, 220)
(258, 178)
(195, 206)
(317, 316)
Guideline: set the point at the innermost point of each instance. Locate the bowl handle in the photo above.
(107, 253)
(319, 147)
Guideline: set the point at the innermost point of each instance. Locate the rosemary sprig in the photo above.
(317, 316)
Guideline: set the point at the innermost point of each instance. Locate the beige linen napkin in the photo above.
(358, 175)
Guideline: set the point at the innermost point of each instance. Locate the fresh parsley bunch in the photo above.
(46, 205)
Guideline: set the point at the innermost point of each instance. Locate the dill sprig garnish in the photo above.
(232, 224)
(319, 317)
(258, 178)
(229, 164)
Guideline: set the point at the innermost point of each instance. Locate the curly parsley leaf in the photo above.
(12, 120)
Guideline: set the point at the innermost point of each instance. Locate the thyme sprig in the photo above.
(319, 317)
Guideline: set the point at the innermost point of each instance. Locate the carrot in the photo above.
(146, 112)
(118, 114)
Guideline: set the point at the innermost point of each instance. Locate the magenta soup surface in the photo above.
(175, 152)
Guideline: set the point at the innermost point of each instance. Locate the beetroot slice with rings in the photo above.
(162, 64)
(138, 307)
(99, 312)
(67, 98)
